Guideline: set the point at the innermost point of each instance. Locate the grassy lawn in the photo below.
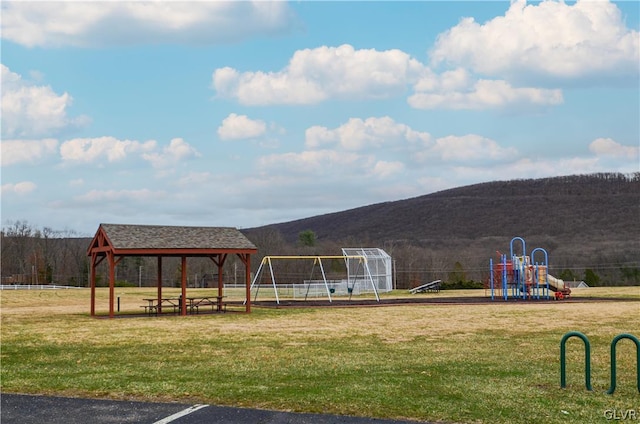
(488, 363)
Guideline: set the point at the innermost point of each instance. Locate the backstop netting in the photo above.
(374, 269)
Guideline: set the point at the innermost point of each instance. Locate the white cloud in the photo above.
(385, 169)
(30, 110)
(457, 90)
(176, 151)
(225, 81)
(112, 150)
(524, 168)
(315, 75)
(469, 148)
(20, 188)
(547, 39)
(314, 162)
(237, 127)
(318, 136)
(383, 148)
(259, 88)
(26, 151)
(609, 147)
(392, 153)
(88, 150)
(86, 24)
(193, 179)
(132, 205)
(358, 134)
(141, 195)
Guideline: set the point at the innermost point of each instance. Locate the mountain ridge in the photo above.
(592, 204)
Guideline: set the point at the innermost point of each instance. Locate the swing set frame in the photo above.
(363, 264)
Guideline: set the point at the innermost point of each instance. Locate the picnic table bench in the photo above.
(216, 303)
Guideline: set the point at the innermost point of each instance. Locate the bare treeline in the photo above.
(45, 256)
(42, 256)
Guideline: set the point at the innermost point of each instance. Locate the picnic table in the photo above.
(154, 306)
(193, 304)
(216, 303)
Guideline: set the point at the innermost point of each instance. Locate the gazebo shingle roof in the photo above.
(125, 236)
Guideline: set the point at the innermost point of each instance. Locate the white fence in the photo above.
(35, 287)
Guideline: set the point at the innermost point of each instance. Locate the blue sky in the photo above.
(244, 114)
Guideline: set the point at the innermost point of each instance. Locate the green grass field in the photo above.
(487, 363)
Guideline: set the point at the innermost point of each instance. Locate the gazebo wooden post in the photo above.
(159, 284)
(221, 259)
(183, 297)
(112, 281)
(92, 282)
(246, 258)
(219, 263)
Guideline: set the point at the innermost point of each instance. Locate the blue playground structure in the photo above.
(522, 277)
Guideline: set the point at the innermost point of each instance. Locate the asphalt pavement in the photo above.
(30, 409)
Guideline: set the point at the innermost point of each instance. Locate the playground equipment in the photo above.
(368, 270)
(521, 277)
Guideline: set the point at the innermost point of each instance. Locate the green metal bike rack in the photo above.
(615, 341)
(587, 359)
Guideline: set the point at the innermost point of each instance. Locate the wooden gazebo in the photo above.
(116, 241)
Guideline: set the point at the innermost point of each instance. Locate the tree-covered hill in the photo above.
(585, 207)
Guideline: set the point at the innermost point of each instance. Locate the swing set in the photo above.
(356, 277)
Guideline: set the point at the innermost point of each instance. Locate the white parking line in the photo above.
(182, 413)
